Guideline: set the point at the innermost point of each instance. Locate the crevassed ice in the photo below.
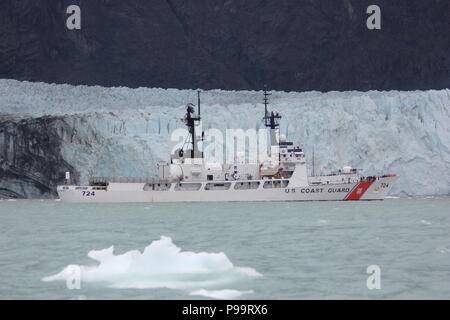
(124, 132)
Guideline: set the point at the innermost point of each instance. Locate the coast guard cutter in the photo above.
(187, 177)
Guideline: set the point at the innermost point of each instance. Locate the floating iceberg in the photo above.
(161, 265)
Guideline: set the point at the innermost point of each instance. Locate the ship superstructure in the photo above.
(283, 176)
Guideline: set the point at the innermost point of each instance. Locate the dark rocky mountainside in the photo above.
(31, 163)
(290, 45)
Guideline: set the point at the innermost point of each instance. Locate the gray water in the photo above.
(304, 250)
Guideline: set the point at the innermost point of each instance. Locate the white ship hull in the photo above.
(134, 192)
(188, 177)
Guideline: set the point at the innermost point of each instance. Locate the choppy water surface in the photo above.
(305, 250)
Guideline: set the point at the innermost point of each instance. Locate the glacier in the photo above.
(47, 129)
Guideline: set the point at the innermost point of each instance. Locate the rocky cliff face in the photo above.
(31, 164)
(289, 45)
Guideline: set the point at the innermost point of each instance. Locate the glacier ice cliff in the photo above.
(48, 129)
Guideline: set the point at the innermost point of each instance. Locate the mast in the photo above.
(271, 120)
(191, 121)
(266, 102)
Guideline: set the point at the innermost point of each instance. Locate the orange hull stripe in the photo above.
(359, 191)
